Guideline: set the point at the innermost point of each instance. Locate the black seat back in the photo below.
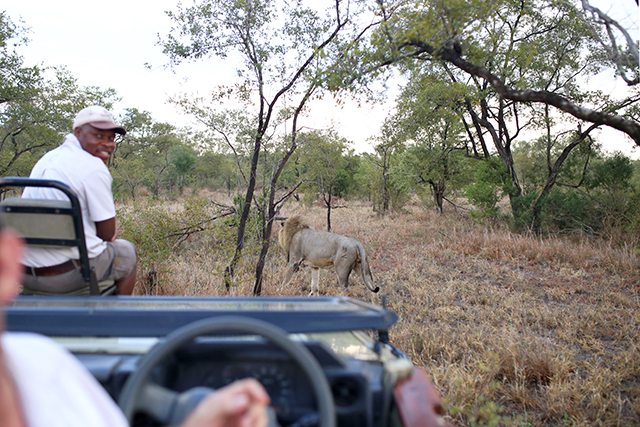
(46, 222)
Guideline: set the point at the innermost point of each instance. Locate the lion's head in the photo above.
(289, 229)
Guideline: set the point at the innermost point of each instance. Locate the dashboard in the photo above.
(356, 385)
(287, 388)
(348, 338)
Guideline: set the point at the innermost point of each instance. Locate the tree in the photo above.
(592, 192)
(553, 168)
(489, 184)
(37, 104)
(429, 120)
(381, 175)
(216, 170)
(183, 161)
(143, 155)
(513, 56)
(322, 157)
(131, 175)
(466, 36)
(282, 49)
(385, 150)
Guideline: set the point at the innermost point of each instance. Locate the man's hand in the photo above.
(241, 404)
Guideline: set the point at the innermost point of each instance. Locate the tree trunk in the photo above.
(246, 209)
(438, 189)
(267, 224)
(385, 184)
(554, 170)
(439, 197)
(536, 215)
(328, 204)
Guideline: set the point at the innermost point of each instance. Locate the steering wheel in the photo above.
(171, 408)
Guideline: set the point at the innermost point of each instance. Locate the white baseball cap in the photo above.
(98, 117)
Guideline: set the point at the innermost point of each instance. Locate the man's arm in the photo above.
(106, 230)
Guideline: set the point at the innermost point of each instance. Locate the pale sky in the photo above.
(107, 44)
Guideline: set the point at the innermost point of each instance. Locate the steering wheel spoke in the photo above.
(157, 401)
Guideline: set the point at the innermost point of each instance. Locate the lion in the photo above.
(322, 249)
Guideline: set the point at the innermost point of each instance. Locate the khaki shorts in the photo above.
(117, 261)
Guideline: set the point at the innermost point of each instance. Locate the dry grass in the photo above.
(514, 330)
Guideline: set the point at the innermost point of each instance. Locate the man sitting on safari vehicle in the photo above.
(81, 163)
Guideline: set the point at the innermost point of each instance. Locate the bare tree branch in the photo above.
(627, 60)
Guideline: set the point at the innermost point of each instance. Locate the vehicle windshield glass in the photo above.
(356, 344)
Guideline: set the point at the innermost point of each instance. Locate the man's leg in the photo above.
(125, 266)
(119, 262)
(125, 285)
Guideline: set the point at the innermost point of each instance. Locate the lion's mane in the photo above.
(289, 229)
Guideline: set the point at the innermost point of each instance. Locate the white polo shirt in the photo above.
(54, 388)
(89, 177)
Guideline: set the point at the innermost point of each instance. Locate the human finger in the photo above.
(254, 390)
(256, 416)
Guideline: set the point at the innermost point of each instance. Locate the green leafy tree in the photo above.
(524, 52)
(428, 119)
(611, 190)
(612, 173)
(490, 181)
(216, 170)
(363, 177)
(514, 58)
(183, 161)
(387, 185)
(567, 155)
(37, 105)
(147, 145)
(324, 164)
(592, 193)
(348, 185)
(131, 175)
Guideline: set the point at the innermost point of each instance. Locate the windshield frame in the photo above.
(156, 316)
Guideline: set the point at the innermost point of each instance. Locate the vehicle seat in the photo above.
(52, 223)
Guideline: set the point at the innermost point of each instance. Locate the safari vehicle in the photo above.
(324, 361)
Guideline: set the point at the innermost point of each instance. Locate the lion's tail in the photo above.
(365, 271)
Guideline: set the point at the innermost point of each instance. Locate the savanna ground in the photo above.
(514, 330)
